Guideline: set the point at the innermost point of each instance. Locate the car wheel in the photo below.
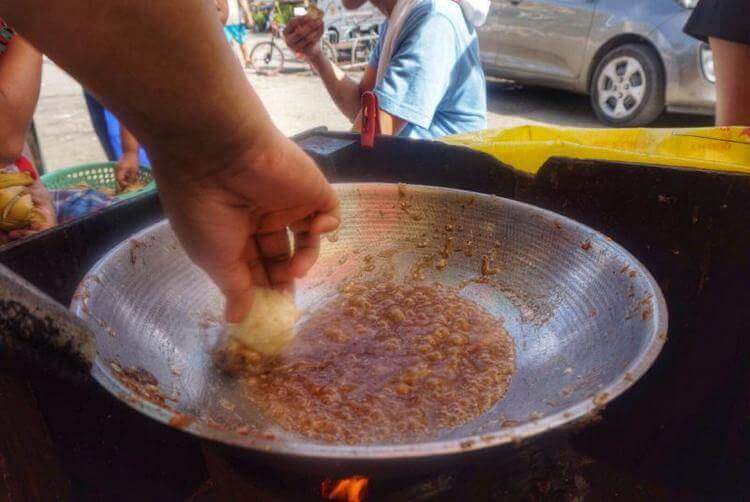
(628, 86)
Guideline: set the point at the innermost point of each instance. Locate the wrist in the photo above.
(129, 156)
(255, 148)
(249, 133)
(316, 58)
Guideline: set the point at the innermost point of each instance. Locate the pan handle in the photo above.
(36, 330)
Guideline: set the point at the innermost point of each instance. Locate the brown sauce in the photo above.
(383, 362)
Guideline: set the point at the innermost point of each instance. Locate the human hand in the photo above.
(233, 219)
(45, 216)
(126, 169)
(302, 35)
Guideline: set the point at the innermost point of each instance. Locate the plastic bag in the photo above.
(527, 148)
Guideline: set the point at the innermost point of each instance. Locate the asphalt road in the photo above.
(297, 101)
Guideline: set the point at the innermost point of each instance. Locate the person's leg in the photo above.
(732, 67)
(245, 45)
(234, 38)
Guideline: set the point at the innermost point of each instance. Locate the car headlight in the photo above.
(688, 4)
(707, 63)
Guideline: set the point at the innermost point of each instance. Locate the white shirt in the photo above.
(235, 16)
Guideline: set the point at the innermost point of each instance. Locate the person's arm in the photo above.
(302, 35)
(390, 125)
(20, 80)
(732, 62)
(126, 170)
(219, 162)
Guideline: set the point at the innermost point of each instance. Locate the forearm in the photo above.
(20, 79)
(345, 92)
(129, 142)
(732, 97)
(168, 109)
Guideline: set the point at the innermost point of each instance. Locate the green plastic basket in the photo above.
(96, 176)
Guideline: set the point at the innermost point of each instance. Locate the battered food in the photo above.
(384, 362)
(269, 326)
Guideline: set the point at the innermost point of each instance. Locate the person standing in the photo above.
(725, 26)
(236, 28)
(424, 69)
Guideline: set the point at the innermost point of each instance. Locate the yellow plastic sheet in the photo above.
(527, 148)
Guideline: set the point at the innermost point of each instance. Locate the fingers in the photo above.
(307, 234)
(275, 252)
(306, 251)
(302, 33)
(236, 280)
(307, 230)
(125, 174)
(326, 222)
(279, 220)
(120, 176)
(131, 174)
(326, 216)
(236, 284)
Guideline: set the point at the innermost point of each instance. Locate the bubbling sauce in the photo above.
(384, 362)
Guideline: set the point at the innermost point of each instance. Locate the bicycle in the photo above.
(267, 58)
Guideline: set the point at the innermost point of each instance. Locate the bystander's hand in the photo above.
(303, 34)
(126, 170)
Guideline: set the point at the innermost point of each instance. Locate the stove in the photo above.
(681, 431)
(561, 474)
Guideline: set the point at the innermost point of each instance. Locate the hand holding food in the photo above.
(253, 344)
(126, 170)
(302, 34)
(234, 222)
(269, 326)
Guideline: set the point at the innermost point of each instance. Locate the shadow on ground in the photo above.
(560, 108)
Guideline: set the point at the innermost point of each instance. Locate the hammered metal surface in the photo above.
(586, 318)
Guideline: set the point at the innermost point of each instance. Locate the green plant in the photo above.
(282, 14)
(260, 18)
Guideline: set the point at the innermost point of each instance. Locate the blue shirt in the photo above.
(435, 80)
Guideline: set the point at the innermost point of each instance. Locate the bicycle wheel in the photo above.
(267, 58)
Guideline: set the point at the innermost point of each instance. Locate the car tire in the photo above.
(627, 88)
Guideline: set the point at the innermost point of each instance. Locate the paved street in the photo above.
(298, 101)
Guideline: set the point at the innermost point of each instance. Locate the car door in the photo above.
(489, 35)
(542, 38)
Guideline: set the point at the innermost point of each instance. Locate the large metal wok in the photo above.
(587, 320)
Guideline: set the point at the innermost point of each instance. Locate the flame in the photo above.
(348, 489)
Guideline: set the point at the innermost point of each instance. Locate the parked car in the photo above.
(630, 56)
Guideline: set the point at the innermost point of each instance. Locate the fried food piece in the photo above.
(314, 12)
(269, 326)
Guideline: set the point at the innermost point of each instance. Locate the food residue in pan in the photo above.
(387, 362)
(140, 381)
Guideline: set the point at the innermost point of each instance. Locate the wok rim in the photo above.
(574, 413)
